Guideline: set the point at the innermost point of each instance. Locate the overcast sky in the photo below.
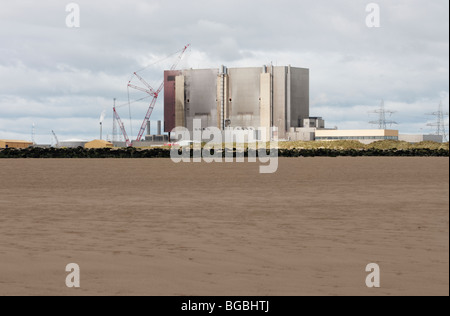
(62, 78)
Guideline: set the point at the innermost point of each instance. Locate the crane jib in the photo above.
(151, 92)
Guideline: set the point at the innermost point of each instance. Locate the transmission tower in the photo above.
(439, 124)
(383, 115)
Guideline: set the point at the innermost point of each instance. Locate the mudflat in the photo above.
(152, 227)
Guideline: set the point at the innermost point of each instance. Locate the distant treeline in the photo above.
(40, 153)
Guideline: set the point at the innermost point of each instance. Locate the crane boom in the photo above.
(150, 89)
(154, 93)
(151, 93)
(56, 138)
(175, 65)
(147, 117)
(122, 127)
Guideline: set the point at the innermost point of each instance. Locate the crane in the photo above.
(121, 126)
(56, 138)
(151, 92)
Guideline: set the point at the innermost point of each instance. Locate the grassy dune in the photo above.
(347, 144)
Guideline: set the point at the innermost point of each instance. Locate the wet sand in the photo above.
(152, 227)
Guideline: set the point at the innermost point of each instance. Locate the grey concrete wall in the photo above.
(222, 103)
(286, 93)
(411, 138)
(433, 138)
(420, 138)
(266, 103)
(301, 134)
(70, 144)
(119, 144)
(299, 96)
(180, 102)
(201, 98)
(280, 100)
(244, 92)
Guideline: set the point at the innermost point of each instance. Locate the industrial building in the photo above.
(413, 139)
(308, 131)
(364, 136)
(72, 143)
(159, 137)
(18, 144)
(151, 140)
(248, 98)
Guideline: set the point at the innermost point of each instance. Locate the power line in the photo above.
(131, 102)
(163, 59)
(440, 124)
(382, 121)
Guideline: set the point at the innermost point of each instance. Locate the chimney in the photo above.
(159, 128)
(148, 128)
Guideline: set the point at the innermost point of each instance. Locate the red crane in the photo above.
(152, 93)
(122, 127)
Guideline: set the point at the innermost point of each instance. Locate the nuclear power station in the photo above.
(245, 101)
(247, 98)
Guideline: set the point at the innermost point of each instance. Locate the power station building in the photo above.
(247, 98)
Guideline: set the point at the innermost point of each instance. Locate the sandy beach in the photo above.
(152, 227)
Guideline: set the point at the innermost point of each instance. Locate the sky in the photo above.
(62, 79)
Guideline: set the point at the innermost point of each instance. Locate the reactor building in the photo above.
(247, 98)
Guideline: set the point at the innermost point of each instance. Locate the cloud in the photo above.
(63, 78)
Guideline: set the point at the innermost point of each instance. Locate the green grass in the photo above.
(384, 145)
